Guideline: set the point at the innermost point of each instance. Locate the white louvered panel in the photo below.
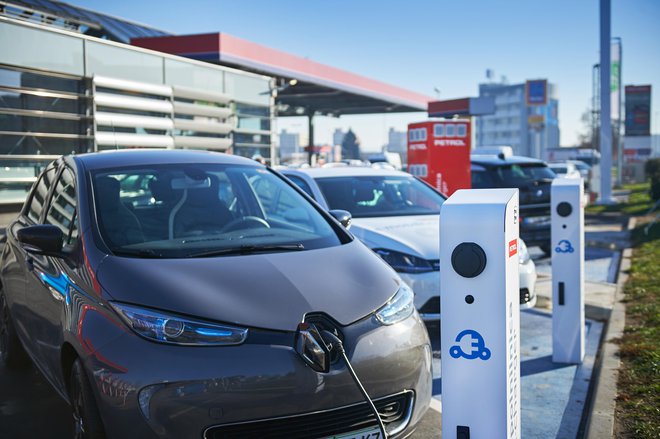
(139, 140)
(199, 95)
(132, 103)
(215, 143)
(133, 121)
(202, 110)
(249, 131)
(202, 126)
(134, 86)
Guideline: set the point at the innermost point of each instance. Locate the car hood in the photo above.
(418, 235)
(537, 192)
(273, 290)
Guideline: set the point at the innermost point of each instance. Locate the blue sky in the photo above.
(423, 45)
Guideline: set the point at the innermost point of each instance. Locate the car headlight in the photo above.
(404, 263)
(170, 328)
(523, 253)
(398, 308)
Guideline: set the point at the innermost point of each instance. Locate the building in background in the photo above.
(338, 136)
(526, 117)
(397, 142)
(65, 92)
(289, 145)
(73, 80)
(350, 146)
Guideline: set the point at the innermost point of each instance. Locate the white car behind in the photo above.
(397, 216)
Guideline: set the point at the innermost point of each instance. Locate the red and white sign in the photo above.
(439, 153)
(513, 247)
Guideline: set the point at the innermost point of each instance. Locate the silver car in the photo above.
(182, 294)
(398, 216)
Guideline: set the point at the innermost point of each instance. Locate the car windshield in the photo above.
(522, 175)
(199, 210)
(375, 196)
(560, 169)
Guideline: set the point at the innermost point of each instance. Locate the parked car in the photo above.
(565, 169)
(533, 179)
(397, 216)
(188, 294)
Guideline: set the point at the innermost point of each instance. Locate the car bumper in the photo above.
(147, 389)
(527, 284)
(427, 290)
(427, 293)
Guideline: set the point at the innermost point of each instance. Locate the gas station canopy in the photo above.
(302, 86)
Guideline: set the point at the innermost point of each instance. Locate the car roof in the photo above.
(493, 160)
(349, 171)
(137, 157)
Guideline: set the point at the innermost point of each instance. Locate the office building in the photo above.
(289, 144)
(529, 127)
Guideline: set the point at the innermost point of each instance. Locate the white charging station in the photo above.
(567, 270)
(480, 303)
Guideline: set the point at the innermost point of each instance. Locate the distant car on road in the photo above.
(398, 216)
(179, 294)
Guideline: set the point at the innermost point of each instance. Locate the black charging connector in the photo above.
(334, 343)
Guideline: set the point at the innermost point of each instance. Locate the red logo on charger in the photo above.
(513, 247)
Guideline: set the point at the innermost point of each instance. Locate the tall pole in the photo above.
(605, 105)
(619, 122)
(310, 132)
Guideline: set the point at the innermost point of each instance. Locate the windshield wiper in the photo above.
(246, 249)
(140, 253)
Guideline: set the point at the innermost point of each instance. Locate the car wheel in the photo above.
(87, 421)
(12, 354)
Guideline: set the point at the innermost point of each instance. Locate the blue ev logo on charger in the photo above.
(479, 349)
(564, 246)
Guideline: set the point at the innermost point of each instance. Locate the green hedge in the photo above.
(652, 169)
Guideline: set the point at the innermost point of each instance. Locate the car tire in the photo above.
(87, 421)
(12, 354)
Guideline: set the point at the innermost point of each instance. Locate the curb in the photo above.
(600, 422)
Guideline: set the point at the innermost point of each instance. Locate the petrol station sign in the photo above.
(439, 153)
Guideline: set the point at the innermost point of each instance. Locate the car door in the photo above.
(47, 283)
(17, 262)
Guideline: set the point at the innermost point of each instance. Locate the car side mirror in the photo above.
(343, 216)
(41, 239)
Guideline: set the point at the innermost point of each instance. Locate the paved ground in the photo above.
(553, 396)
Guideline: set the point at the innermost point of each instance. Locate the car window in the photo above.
(277, 200)
(302, 184)
(39, 194)
(184, 211)
(481, 179)
(521, 175)
(62, 208)
(374, 196)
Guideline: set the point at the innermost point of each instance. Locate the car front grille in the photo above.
(394, 410)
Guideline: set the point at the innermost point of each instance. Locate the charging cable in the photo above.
(335, 343)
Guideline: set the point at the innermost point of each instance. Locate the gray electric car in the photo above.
(190, 294)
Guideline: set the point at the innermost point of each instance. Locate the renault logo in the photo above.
(311, 347)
